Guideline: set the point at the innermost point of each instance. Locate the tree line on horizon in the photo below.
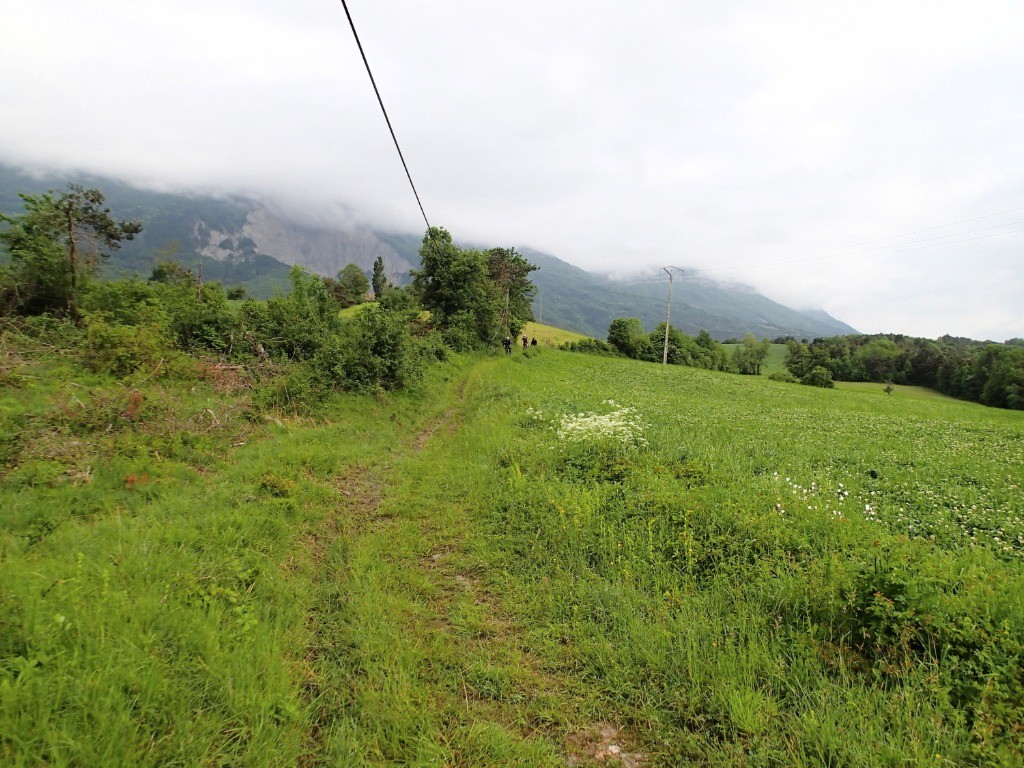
(627, 337)
(983, 372)
(979, 371)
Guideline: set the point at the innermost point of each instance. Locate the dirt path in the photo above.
(409, 604)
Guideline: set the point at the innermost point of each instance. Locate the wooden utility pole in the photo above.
(668, 309)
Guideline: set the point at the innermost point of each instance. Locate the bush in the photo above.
(121, 350)
(460, 332)
(590, 347)
(785, 376)
(819, 376)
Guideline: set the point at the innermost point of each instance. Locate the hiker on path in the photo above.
(508, 345)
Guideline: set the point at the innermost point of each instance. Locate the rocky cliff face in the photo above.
(318, 250)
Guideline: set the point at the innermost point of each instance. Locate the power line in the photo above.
(382, 109)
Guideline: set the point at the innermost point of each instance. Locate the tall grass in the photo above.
(728, 570)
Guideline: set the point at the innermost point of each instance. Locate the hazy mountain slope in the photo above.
(584, 302)
(231, 240)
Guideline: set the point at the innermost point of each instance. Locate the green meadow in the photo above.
(546, 559)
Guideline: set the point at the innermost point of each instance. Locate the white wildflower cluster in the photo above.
(813, 498)
(620, 425)
(926, 512)
(534, 414)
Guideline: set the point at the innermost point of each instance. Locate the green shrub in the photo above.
(460, 332)
(372, 351)
(819, 376)
(121, 350)
(590, 347)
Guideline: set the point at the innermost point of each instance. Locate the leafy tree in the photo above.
(472, 296)
(715, 352)
(1004, 387)
(748, 357)
(350, 287)
(171, 272)
(682, 349)
(510, 273)
(879, 358)
(627, 335)
(379, 281)
(58, 241)
(819, 376)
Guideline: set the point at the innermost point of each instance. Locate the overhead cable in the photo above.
(382, 109)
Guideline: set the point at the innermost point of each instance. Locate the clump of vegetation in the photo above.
(299, 346)
(626, 337)
(474, 297)
(984, 372)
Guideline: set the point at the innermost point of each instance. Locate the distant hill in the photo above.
(235, 240)
(244, 242)
(587, 303)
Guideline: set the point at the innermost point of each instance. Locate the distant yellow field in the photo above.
(355, 309)
(549, 336)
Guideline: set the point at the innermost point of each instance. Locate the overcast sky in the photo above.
(792, 145)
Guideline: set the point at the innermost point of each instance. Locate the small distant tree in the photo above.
(715, 354)
(819, 376)
(171, 272)
(350, 287)
(60, 240)
(510, 273)
(379, 281)
(627, 335)
(748, 357)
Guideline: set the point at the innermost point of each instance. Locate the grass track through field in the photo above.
(413, 659)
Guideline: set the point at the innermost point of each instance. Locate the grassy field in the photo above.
(547, 559)
(549, 336)
(898, 391)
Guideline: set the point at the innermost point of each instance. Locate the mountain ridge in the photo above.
(238, 240)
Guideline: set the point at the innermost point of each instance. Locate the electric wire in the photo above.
(387, 119)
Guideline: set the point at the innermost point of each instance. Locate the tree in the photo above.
(510, 273)
(58, 241)
(879, 359)
(627, 335)
(818, 376)
(472, 296)
(379, 281)
(351, 285)
(682, 349)
(750, 354)
(715, 352)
